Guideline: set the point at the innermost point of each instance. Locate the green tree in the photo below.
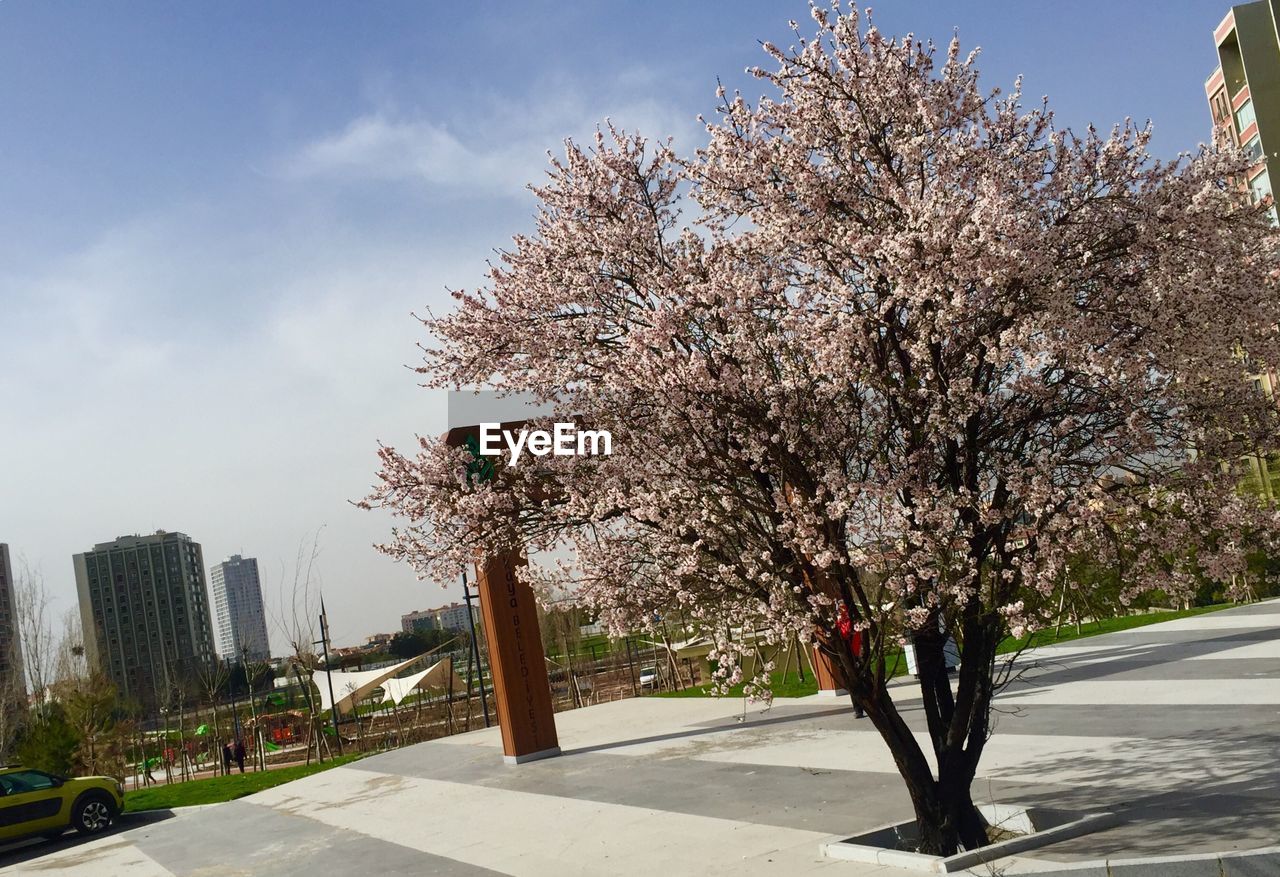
(50, 744)
(91, 710)
(418, 642)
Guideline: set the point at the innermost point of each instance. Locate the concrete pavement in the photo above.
(1174, 726)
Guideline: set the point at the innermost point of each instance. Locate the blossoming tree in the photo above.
(889, 346)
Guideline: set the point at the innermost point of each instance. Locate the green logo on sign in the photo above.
(480, 468)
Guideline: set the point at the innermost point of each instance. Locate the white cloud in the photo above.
(500, 157)
(226, 367)
(200, 373)
(375, 147)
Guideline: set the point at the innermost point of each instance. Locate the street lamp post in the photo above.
(328, 672)
(475, 647)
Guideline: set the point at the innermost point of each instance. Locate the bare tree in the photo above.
(213, 678)
(296, 616)
(253, 671)
(35, 629)
(176, 696)
(70, 661)
(562, 634)
(13, 711)
(298, 608)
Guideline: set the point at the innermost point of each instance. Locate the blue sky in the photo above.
(215, 220)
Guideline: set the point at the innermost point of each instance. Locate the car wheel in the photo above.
(92, 814)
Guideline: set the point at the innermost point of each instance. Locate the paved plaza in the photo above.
(1174, 726)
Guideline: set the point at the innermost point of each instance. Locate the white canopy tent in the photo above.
(352, 687)
(439, 675)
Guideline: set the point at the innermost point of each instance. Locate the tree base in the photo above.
(1013, 829)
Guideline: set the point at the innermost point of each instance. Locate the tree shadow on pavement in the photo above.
(1174, 795)
(1041, 669)
(711, 729)
(20, 851)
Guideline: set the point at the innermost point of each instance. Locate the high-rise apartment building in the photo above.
(241, 621)
(1244, 91)
(1244, 101)
(145, 612)
(12, 671)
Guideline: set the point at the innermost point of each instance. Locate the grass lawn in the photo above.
(1107, 625)
(791, 686)
(596, 646)
(788, 686)
(216, 789)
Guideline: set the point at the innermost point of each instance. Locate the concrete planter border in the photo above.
(1261, 862)
(1037, 826)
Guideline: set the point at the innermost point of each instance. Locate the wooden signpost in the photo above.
(521, 689)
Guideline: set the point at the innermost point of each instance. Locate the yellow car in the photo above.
(35, 802)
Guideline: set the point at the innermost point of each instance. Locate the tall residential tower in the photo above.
(145, 612)
(12, 671)
(1244, 100)
(237, 600)
(1244, 91)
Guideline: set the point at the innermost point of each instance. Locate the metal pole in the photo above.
(328, 672)
(635, 692)
(471, 659)
(475, 646)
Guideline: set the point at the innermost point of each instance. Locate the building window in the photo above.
(1260, 187)
(1219, 105)
(1254, 148)
(1245, 116)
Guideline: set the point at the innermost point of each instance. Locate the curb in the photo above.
(1261, 862)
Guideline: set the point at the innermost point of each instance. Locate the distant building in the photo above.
(11, 667)
(451, 617)
(1244, 101)
(145, 613)
(240, 620)
(414, 621)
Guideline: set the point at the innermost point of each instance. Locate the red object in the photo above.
(844, 625)
(852, 637)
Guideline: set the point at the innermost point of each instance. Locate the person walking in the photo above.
(226, 758)
(238, 752)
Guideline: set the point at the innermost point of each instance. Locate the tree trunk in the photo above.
(946, 817)
(257, 750)
(184, 772)
(958, 721)
(216, 738)
(314, 720)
